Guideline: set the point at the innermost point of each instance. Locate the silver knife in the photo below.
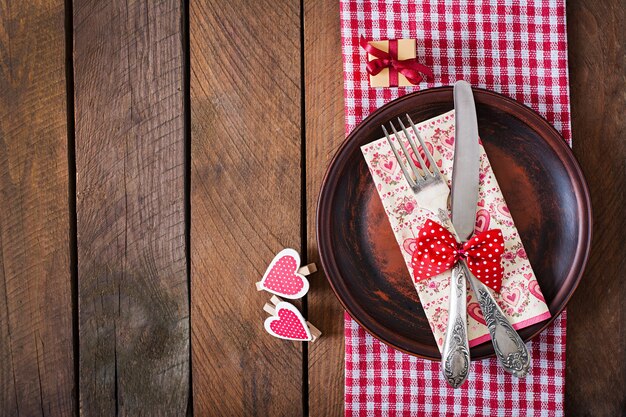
(508, 346)
(455, 356)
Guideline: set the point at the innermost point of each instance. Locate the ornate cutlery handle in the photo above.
(510, 350)
(455, 357)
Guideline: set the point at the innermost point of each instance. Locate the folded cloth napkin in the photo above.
(520, 297)
(518, 49)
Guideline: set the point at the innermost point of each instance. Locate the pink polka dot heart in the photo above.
(288, 323)
(281, 277)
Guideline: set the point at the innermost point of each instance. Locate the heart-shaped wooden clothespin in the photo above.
(284, 276)
(286, 322)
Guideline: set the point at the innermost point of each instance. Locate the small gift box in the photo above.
(393, 63)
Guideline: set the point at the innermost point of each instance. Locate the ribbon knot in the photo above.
(438, 250)
(410, 68)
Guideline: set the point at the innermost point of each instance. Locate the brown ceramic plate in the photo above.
(542, 184)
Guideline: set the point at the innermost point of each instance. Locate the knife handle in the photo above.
(510, 350)
(455, 357)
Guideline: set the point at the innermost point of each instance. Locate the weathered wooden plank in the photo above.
(596, 336)
(245, 201)
(36, 353)
(325, 131)
(132, 279)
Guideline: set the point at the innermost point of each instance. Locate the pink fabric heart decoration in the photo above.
(288, 323)
(511, 296)
(473, 309)
(282, 278)
(483, 219)
(416, 161)
(390, 166)
(410, 245)
(534, 289)
(502, 208)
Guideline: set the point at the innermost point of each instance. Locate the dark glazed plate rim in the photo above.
(515, 109)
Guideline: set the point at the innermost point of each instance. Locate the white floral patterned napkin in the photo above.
(521, 299)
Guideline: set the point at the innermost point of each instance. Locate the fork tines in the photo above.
(423, 174)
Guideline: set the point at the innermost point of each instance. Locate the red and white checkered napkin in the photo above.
(518, 49)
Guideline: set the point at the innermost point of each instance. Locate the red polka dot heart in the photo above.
(282, 277)
(288, 323)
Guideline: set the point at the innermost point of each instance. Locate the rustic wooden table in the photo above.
(154, 156)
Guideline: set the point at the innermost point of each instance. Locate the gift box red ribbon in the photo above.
(410, 68)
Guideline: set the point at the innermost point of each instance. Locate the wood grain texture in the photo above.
(132, 280)
(596, 335)
(325, 130)
(36, 348)
(245, 201)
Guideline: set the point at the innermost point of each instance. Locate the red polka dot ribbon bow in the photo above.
(437, 251)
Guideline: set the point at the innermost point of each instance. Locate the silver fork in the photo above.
(431, 187)
(432, 192)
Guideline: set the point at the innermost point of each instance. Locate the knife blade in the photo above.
(510, 350)
(464, 190)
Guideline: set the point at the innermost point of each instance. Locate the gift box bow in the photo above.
(410, 68)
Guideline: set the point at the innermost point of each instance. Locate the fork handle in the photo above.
(455, 357)
(510, 350)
